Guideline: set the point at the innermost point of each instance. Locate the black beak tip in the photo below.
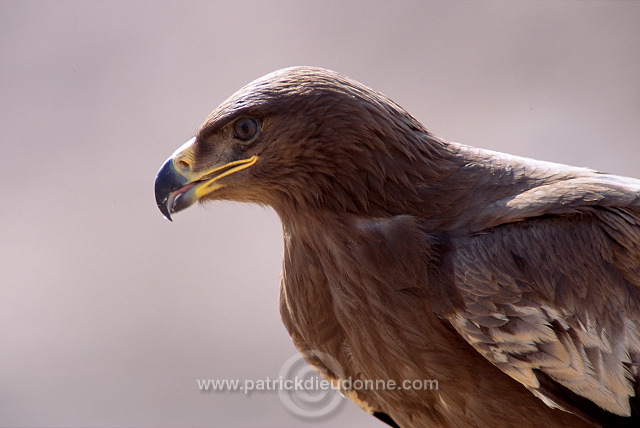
(165, 212)
(163, 206)
(167, 181)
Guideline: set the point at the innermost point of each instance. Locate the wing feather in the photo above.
(558, 294)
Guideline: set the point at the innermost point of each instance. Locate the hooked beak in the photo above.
(177, 187)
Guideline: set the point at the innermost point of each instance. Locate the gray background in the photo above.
(108, 313)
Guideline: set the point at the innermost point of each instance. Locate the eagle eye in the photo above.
(245, 128)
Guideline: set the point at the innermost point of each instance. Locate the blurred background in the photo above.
(108, 312)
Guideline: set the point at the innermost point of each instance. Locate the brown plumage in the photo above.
(514, 283)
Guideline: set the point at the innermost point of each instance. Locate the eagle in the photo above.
(514, 283)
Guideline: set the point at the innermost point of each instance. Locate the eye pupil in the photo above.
(246, 128)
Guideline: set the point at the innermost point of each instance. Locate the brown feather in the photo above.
(514, 283)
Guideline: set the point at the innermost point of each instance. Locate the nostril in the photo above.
(183, 166)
